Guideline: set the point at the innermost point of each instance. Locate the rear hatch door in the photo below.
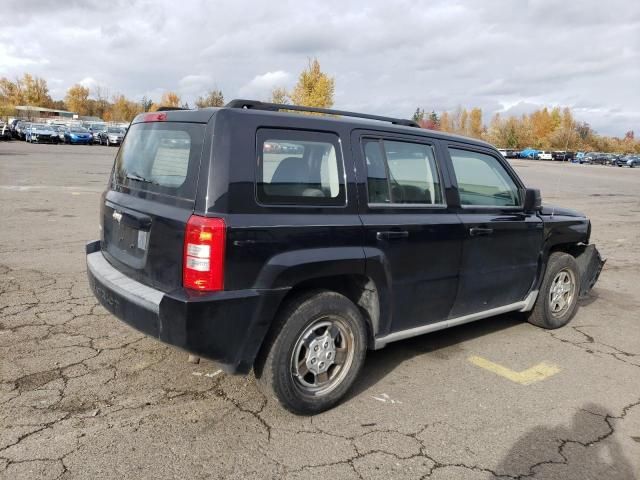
(150, 199)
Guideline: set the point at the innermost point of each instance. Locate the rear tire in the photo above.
(314, 352)
(557, 300)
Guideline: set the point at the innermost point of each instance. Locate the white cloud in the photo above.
(261, 85)
(88, 82)
(386, 57)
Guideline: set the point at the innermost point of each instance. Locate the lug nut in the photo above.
(326, 344)
(315, 348)
(313, 360)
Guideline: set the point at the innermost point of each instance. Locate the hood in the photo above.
(565, 212)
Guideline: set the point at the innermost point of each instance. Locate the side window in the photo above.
(299, 168)
(401, 172)
(482, 180)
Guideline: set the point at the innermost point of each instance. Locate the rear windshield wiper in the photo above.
(139, 178)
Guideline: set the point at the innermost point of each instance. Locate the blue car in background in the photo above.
(530, 153)
(579, 158)
(78, 135)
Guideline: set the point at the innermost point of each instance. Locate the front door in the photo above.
(501, 247)
(409, 229)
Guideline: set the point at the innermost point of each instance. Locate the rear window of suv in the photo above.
(161, 157)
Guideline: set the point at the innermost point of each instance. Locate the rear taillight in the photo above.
(203, 260)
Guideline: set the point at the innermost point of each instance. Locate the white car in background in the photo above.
(545, 155)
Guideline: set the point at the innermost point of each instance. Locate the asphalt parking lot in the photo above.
(83, 396)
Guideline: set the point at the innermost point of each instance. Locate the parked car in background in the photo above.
(78, 135)
(40, 133)
(111, 136)
(600, 158)
(545, 155)
(578, 158)
(21, 130)
(530, 153)
(562, 156)
(59, 129)
(5, 132)
(503, 152)
(96, 132)
(630, 161)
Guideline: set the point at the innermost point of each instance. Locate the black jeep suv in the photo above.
(291, 244)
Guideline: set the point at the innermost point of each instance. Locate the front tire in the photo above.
(314, 353)
(558, 297)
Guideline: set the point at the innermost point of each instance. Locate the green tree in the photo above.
(146, 104)
(214, 98)
(314, 88)
(418, 115)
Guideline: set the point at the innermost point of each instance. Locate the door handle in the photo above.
(480, 231)
(392, 235)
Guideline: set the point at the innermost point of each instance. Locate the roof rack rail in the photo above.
(169, 109)
(274, 107)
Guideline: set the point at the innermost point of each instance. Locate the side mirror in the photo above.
(532, 200)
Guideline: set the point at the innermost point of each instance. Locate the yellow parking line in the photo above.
(538, 372)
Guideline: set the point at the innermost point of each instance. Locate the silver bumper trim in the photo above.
(134, 291)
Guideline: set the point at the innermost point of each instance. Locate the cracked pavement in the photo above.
(84, 396)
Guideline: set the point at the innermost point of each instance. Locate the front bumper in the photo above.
(227, 327)
(590, 264)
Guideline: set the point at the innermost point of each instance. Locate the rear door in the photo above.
(150, 199)
(408, 226)
(501, 247)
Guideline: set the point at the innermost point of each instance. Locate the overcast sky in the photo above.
(387, 57)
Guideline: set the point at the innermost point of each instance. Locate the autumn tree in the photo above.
(35, 91)
(214, 98)
(314, 88)
(77, 99)
(100, 104)
(475, 127)
(280, 95)
(445, 122)
(28, 90)
(168, 99)
(123, 110)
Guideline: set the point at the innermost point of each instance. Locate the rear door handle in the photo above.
(392, 235)
(480, 231)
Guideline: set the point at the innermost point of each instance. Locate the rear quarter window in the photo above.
(161, 157)
(299, 168)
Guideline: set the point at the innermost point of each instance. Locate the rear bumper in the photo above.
(227, 327)
(590, 264)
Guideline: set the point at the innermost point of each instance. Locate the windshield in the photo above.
(78, 130)
(114, 130)
(163, 157)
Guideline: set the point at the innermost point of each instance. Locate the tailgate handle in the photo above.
(480, 231)
(392, 235)
(138, 221)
